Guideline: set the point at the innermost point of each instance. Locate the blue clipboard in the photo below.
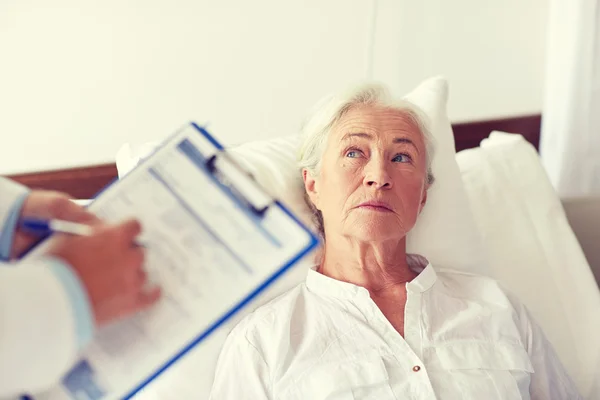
(249, 197)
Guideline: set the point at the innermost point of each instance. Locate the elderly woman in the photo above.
(371, 321)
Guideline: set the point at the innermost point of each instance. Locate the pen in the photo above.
(44, 227)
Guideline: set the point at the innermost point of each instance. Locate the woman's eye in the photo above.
(352, 154)
(402, 158)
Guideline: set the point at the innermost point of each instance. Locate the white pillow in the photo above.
(533, 251)
(445, 232)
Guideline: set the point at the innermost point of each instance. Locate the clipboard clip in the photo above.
(238, 183)
(208, 154)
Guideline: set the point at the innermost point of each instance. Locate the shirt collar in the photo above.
(319, 283)
(427, 276)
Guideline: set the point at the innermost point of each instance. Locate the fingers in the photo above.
(50, 204)
(86, 217)
(129, 230)
(148, 298)
(62, 207)
(136, 258)
(142, 297)
(134, 275)
(123, 235)
(140, 300)
(142, 276)
(59, 205)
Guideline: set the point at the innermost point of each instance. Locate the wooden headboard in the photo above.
(85, 182)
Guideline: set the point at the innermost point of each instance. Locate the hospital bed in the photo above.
(567, 296)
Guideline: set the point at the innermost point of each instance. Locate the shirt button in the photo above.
(416, 368)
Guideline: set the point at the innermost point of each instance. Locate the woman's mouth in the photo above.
(380, 206)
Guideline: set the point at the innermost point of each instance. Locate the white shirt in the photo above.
(326, 339)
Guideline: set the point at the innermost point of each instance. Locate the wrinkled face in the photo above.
(372, 182)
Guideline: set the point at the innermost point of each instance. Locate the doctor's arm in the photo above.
(49, 307)
(44, 312)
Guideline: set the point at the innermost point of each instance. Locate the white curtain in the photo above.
(570, 141)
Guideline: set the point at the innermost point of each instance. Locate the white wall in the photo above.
(78, 79)
(492, 52)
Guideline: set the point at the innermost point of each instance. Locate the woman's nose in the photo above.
(377, 176)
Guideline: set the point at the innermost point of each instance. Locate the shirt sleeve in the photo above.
(80, 305)
(78, 298)
(242, 372)
(38, 338)
(550, 380)
(7, 231)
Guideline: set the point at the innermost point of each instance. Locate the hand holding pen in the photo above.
(44, 227)
(105, 258)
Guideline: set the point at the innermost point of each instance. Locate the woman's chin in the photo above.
(375, 232)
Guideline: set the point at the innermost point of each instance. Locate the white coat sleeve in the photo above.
(10, 192)
(38, 338)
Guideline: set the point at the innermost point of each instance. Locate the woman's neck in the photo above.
(379, 267)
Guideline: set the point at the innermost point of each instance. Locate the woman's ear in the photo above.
(423, 199)
(311, 187)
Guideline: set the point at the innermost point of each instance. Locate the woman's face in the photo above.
(372, 182)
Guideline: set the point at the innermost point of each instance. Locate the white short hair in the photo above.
(332, 108)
